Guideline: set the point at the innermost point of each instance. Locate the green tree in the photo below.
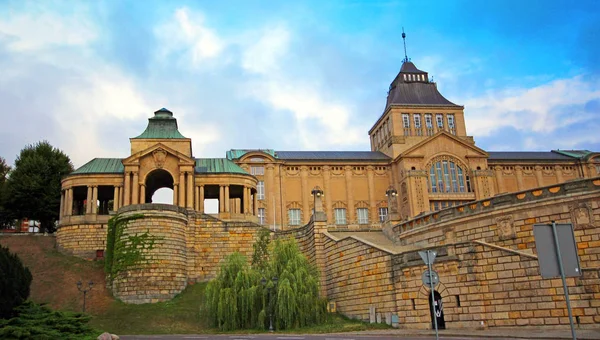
(5, 216)
(33, 188)
(15, 280)
(238, 298)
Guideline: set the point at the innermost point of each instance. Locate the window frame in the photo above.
(294, 216)
(340, 216)
(362, 215)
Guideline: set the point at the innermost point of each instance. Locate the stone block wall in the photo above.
(358, 277)
(305, 238)
(162, 273)
(82, 240)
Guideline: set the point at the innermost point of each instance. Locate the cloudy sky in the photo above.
(292, 75)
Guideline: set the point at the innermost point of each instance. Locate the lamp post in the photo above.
(316, 192)
(84, 290)
(264, 283)
(391, 192)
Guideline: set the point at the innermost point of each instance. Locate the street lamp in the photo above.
(264, 283)
(84, 290)
(391, 192)
(316, 192)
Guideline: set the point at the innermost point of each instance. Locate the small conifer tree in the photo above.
(15, 280)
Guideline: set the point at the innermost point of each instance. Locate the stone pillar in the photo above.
(201, 203)
(305, 193)
(69, 202)
(94, 204)
(62, 205)
(373, 214)
(320, 227)
(279, 196)
(175, 194)
(519, 173)
(349, 196)
(221, 199)
(88, 200)
(559, 174)
(255, 204)
(539, 176)
(245, 200)
(135, 188)
(116, 198)
(227, 203)
(181, 201)
(327, 191)
(190, 190)
(142, 193)
(499, 179)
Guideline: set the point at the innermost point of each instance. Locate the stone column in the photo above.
(499, 179)
(245, 200)
(88, 200)
(94, 204)
(190, 190)
(519, 173)
(201, 203)
(349, 196)
(373, 214)
(559, 174)
(227, 203)
(255, 204)
(142, 193)
(135, 188)
(175, 194)
(221, 199)
(305, 193)
(69, 202)
(327, 192)
(539, 176)
(116, 198)
(181, 201)
(62, 205)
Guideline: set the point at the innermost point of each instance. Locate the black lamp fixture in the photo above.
(84, 290)
(391, 192)
(317, 192)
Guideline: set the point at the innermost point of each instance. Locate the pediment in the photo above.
(159, 152)
(443, 142)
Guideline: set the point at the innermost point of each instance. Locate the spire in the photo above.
(404, 39)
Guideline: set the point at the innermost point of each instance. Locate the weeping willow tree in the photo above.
(244, 296)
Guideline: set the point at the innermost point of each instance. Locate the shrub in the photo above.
(15, 280)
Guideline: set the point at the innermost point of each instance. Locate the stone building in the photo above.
(360, 216)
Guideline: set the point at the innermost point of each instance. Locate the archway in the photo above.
(158, 179)
(438, 307)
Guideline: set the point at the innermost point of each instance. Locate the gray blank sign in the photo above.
(546, 250)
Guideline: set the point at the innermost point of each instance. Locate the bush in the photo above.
(15, 280)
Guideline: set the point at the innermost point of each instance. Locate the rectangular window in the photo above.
(461, 180)
(440, 120)
(446, 175)
(428, 121)
(260, 188)
(261, 215)
(383, 214)
(294, 215)
(451, 122)
(363, 215)
(453, 177)
(440, 181)
(340, 215)
(432, 179)
(257, 170)
(405, 120)
(417, 118)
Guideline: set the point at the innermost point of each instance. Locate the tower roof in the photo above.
(162, 126)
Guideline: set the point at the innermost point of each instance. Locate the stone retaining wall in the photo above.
(82, 240)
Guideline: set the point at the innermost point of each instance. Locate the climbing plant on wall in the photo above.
(123, 252)
(239, 298)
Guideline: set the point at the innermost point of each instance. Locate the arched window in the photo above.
(446, 176)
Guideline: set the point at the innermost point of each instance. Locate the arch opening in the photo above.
(437, 311)
(158, 183)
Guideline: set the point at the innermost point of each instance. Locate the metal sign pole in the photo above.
(433, 297)
(564, 280)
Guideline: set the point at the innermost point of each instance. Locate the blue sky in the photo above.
(292, 75)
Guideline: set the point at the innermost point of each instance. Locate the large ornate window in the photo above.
(446, 176)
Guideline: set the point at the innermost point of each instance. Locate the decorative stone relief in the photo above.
(582, 216)
(506, 227)
(160, 156)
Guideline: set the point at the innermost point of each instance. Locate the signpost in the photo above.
(428, 257)
(557, 256)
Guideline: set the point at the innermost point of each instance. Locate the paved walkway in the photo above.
(508, 332)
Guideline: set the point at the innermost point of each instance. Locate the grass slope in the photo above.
(54, 282)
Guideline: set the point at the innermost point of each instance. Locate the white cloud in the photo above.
(189, 33)
(541, 109)
(262, 57)
(32, 31)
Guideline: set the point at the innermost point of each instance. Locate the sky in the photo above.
(292, 75)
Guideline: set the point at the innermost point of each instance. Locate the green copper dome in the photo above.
(162, 126)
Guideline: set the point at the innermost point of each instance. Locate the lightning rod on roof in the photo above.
(404, 39)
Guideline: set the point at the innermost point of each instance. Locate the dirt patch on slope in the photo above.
(55, 275)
